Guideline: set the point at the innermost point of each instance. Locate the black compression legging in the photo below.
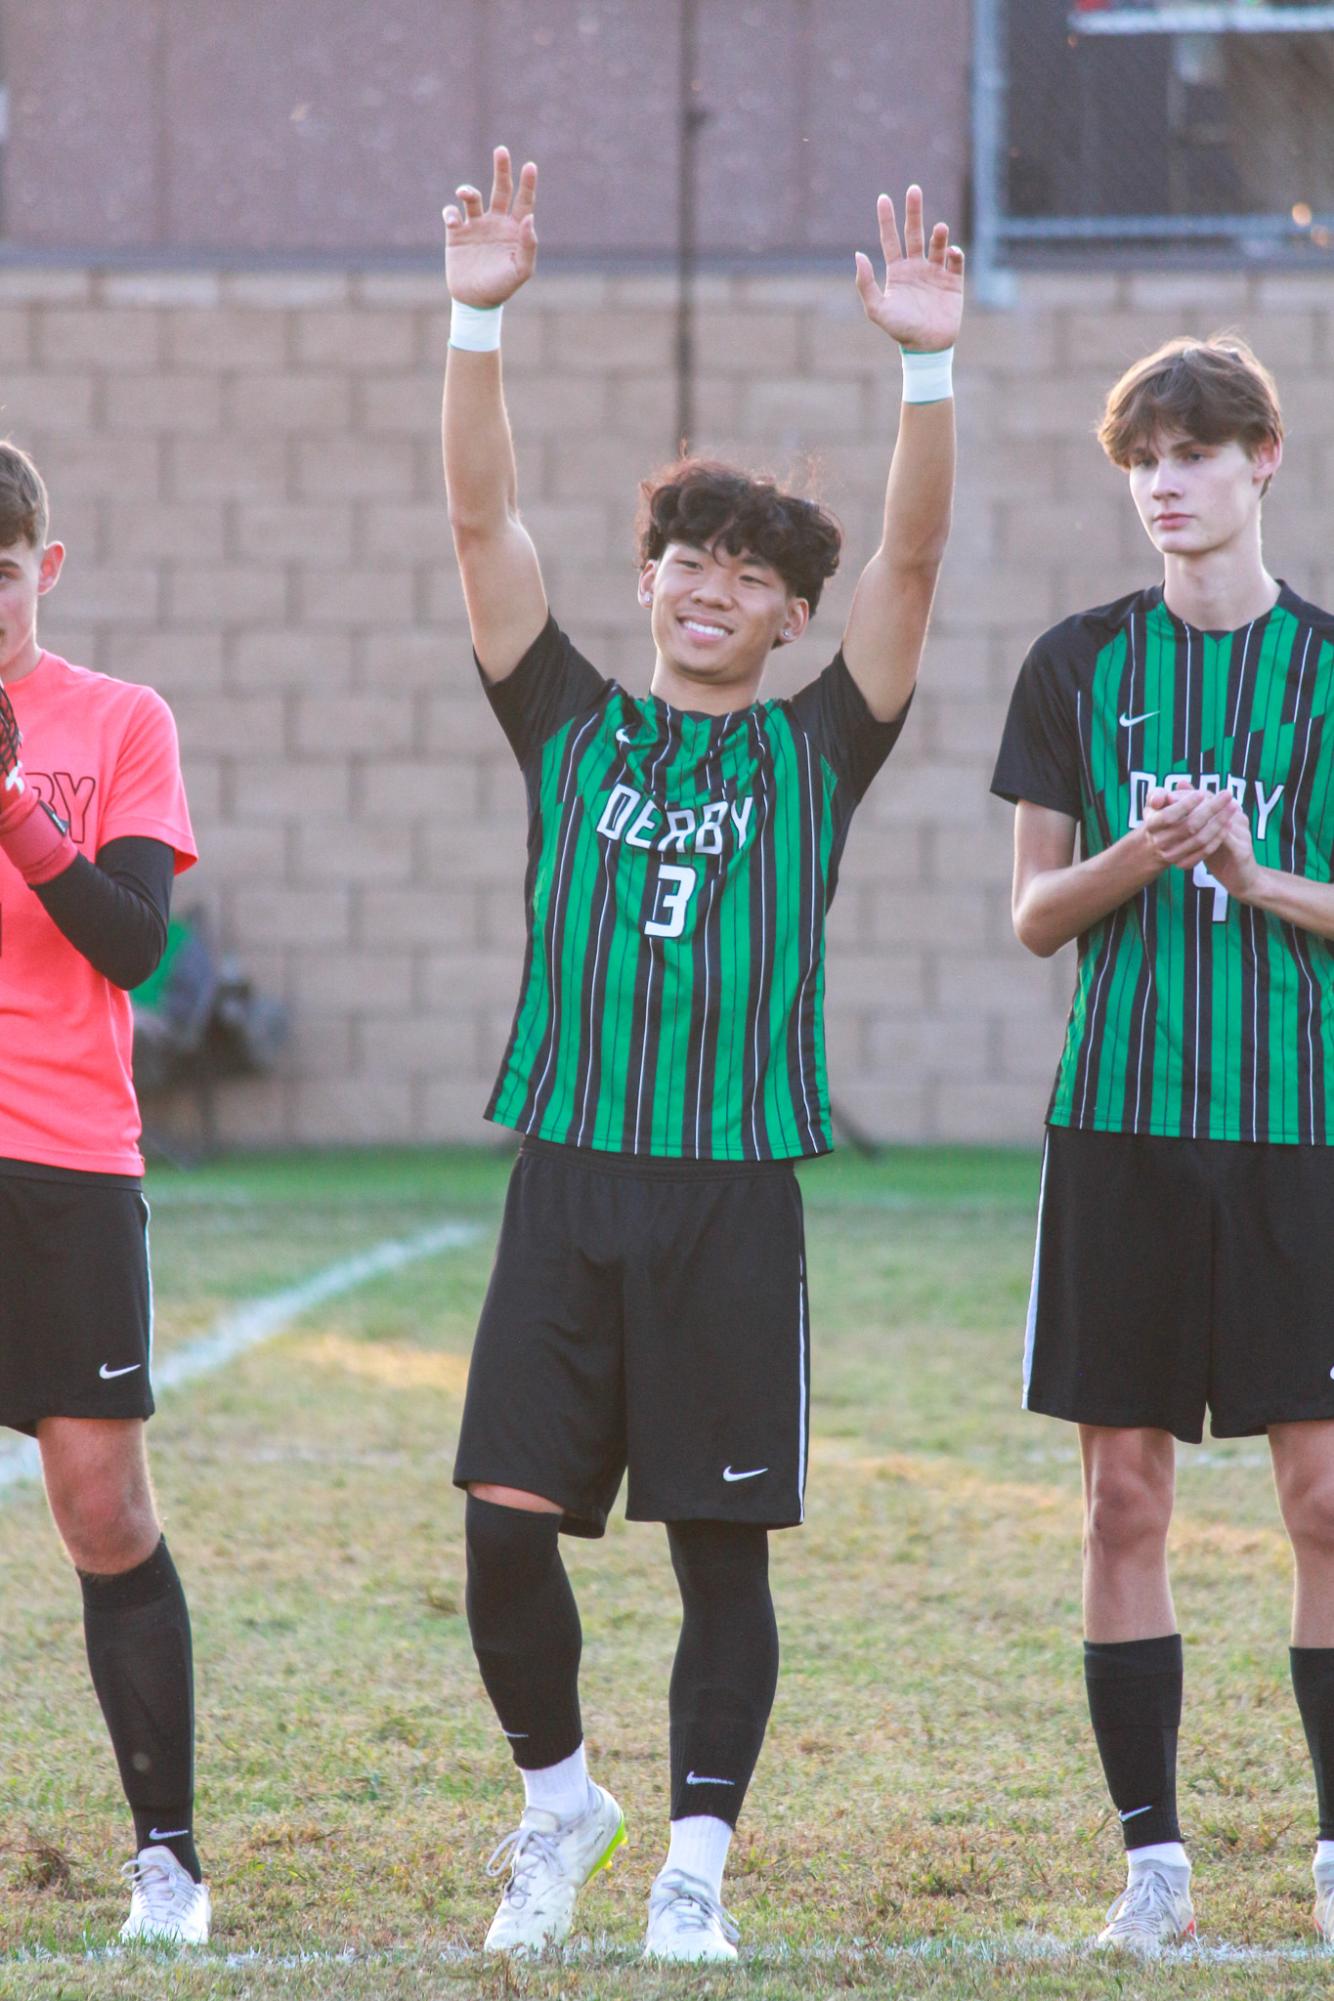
(525, 1630)
(726, 1667)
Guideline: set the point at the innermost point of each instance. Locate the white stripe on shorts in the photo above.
(801, 1390)
(1031, 1329)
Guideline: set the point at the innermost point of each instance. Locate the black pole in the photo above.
(691, 116)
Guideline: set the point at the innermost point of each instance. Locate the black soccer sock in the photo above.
(726, 1667)
(525, 1630)
(137, 1630)
(1313, 1685)
(1134, 1693)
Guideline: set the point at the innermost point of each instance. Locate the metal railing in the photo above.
(1186, 127)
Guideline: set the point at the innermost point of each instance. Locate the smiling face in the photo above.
(1195, 499)
(26, 574)
(716, 619)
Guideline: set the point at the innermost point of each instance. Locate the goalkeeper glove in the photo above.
(36, 842)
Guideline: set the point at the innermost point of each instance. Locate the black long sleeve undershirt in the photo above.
(115, 910)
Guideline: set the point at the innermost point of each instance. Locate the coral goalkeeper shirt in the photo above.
(103, 755)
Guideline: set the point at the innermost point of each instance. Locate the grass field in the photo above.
(927, 1818)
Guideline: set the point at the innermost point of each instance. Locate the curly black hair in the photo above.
(706, 504)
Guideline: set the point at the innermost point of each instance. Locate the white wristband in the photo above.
(927, 378)
(475, 328)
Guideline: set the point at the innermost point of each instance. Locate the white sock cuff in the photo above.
(561, 1789)
(1169, 1852)
(699, 1845)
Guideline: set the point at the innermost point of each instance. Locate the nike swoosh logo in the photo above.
(515, 1734)
(694, 1779)
(166, 1833)
(752, 1474)
(1136, 1811)
(624, 736)
(1129, 722)
(128, 1370)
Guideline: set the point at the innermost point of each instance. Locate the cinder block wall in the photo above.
(246, 470)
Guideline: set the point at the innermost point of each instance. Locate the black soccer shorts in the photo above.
(649, 1316)
(1175, 1274)
(76, 1302)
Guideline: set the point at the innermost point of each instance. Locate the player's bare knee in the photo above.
(106, 1526)
(1126, 1515)
(1308, 1515)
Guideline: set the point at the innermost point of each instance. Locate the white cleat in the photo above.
(549, 1861)
(167, 1906)
(1153, 1911)
(686, 1922)
(1323, 1914)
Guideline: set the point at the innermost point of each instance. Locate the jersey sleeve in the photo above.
(146, 792)
(1039, 752)
(551, 684)
(834, 713)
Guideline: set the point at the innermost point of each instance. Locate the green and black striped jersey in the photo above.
(679, 871)
(1193, 1016)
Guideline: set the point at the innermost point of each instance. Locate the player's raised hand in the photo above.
(490, 252)
(921, 301)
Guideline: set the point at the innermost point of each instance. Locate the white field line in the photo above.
(260, 1319)
(1015, 1949)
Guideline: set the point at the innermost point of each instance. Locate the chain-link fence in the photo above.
(1176, 124)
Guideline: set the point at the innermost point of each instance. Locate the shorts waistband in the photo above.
(650, 1166)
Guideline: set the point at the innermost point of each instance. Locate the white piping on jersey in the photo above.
(708, 984)
(1195, 1081)
(761, 746)
(1199, 906)
(706, 920)
(593, 983)
(652, 955)
(623, 737)
(1241, 678)
(1300, 948)
(1255, 944)
(551, 943)
(1031, 1324)
(1108, 956)
(816, 880)
(1144, 900)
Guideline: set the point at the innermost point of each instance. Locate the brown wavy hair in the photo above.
(25, 512)
(1215, 391)
(707, 505)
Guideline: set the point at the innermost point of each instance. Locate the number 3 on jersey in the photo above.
(671, 900)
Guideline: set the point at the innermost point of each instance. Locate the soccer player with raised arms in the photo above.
(1170, 757)
(666, 1065)
(93, 828)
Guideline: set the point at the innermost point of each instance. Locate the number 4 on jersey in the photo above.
(1203, 880)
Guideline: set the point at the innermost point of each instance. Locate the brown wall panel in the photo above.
(316, 128)
(339, 126)
(82, 164)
